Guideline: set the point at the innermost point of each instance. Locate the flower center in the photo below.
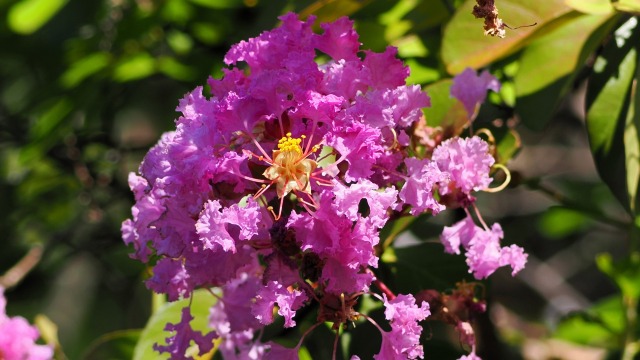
(291, 169)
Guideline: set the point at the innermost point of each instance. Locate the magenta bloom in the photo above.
(483, 251)
(274, 188)
(403, 341)
(471, 89)
(466, 162)
(18, 337)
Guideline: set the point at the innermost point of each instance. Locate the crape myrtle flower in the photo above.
(18, 337)
(471, 89)
(275, 188)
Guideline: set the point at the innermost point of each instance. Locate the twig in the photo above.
(14, 275)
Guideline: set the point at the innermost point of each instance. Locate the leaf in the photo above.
(558, 222)
(625, 273)
(27, 16)
(612, 121)
(219, 4)
(448, 113)
(174, 69)
(465, 44)
(591, 6)
(171, 313)
(632, 6)
(134, 67)
(84, 68)
(114, 345)
(549, 65)
(330, 10)
(427, 266)
(601, 325)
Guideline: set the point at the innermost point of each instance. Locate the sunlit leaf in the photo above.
(179, 42)
(420, 73)
(625, 273)
(591, 6)
(466, 45)
(558, 222)
(207, 33)
(601, 325)
(220, 4)
(84, 68)
(449, 113)
(330, 10)
(171, 313)
(548, 65)
(134, 67)
(172, 68)
(508, 145)
(632, 6)
(27, 16)
(612, 121)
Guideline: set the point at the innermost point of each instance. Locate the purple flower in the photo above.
(483, 251)
(18, 337)
(288, 301)
(178, 344)
(423, 176)
(471, 89)
(279, 352)
(466, 162)
(403, 341)
(214, 225)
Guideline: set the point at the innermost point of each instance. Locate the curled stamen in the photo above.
(506, 182)
(490, 138)
(395, 140)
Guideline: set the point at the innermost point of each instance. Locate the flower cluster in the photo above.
(18, 338)
(276, 187)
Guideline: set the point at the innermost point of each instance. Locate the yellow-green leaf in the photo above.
(465, 45)
(549, 64)
(201, 301)
(84, 68)
(135, 67)
(612, 119)
(27, 16)
(591, 6)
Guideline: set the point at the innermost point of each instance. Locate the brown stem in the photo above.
(14, 275)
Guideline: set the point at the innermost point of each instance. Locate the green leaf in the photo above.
(51, 118)
(612, 120)
(632, 6)
(508, 145)
(549, 65)
(427, 266)
(154, 332)
(84, 68)
(465, 44)
(558, 222)
(114, 345)
(591, 6)
(27, 16)
(625, 273)
(330, 10)
(601, 325)
(449, 113)
(134, 67)
(174, 69)
(220, 4)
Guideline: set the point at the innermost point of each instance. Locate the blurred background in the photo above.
(86, 87)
